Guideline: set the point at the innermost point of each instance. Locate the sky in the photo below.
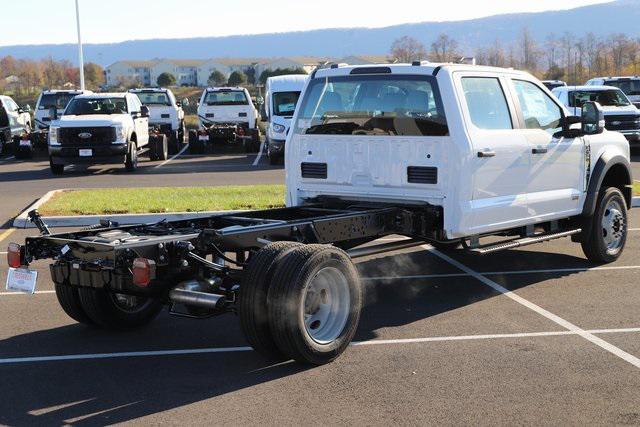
(108, 21)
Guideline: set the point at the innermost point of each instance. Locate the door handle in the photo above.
(539, 151)
(486, 153)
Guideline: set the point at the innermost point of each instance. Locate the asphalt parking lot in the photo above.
(536, 335)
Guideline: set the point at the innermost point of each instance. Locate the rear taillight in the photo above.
(143, 271)
(14, 255)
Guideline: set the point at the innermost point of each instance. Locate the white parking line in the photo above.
(13, 294)
(90, 356)
(257, 160)
(541, 311)
(172, 158)
(8, 159)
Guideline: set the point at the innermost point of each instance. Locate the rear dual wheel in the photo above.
(98, 307)
(313, 303)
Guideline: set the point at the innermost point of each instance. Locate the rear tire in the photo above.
(161, 148)
(314, 303)
(254, 315)
(607, 228)
(116, 311)
(69, 300)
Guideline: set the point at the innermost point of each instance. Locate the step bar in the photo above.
(523, 241)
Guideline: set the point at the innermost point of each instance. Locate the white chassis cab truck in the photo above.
(226, 116)
(630, 85)
(442, 154)
(166, 115)
(104, 128)
(281, 97)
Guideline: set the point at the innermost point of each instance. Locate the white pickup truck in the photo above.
(166, 115)
(102, 128)
(226, 116)
(446, 155)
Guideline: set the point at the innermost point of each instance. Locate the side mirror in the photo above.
(53, 113)
(144, 111)
(592, 118)
(185, 102)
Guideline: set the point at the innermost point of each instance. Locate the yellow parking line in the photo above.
(6, 234)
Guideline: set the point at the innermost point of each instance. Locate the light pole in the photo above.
(80, 58)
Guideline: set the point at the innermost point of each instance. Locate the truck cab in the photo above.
(630, 85)
(226, 116)
(19, 117)
(493, 148)
(165, 114)
(104, 128)
(620, 114)
(282, 93)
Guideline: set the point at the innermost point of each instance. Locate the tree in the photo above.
(444, 49)
(216, 78)
(554, 73)
(93, 75)
(529, 51)
(407, 49)
(279, 72)
(237, 78)
(166, 79)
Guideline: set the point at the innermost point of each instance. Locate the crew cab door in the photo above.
(556, 178)
(499, 155)
(141, 124)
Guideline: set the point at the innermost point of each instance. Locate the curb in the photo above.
(21, 221)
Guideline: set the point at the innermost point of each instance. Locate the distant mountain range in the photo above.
(621, 16)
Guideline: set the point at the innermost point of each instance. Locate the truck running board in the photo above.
(523, 241)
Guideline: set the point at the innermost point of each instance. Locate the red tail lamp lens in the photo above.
(143, 271)
(14, 255)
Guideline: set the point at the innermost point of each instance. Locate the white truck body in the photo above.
(19, 118)
(163, 107)
(487, 165)
(281, 97)
(220, 105)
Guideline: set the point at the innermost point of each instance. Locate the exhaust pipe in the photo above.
(190, 294)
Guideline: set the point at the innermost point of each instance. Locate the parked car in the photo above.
(447, 154)
(620, 114)
(166, 115)
(282, 93)
(19, 117)
(552, 84)
(226, 116)
(102, 128)
(5, 130)
(630, 85)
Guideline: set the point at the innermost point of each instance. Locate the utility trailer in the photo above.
(441, 154)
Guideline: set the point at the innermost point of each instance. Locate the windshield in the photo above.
(153, 98)
(58, 100)
(606, 98)
(229, 97)
(284, 103)
(88, 106)
(629, 87)
(372, 105)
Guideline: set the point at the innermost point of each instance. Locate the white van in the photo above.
(282, 93)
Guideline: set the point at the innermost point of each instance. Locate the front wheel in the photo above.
(607, 228)
(118, 311)
(131, 161)
(56, 169)
(314, 303)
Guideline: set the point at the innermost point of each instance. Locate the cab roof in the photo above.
(149, 90)
(102, 95)
(417, 68)
(617, 78)
(224, 89)
(72, 91)
(587, 88)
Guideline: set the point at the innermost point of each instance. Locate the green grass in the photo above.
(164, 199)
(636, 188)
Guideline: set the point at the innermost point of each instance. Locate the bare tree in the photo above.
(444, 49)
(529, 51)
(407, 49)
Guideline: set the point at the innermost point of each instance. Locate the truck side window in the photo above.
(538, 110)
(486, 102)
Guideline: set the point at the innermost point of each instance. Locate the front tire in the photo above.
(314, 303)
(56, 169)
(131, 161)
(118, 311)
(607, 228)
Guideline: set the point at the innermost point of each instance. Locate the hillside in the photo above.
(621, 16)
